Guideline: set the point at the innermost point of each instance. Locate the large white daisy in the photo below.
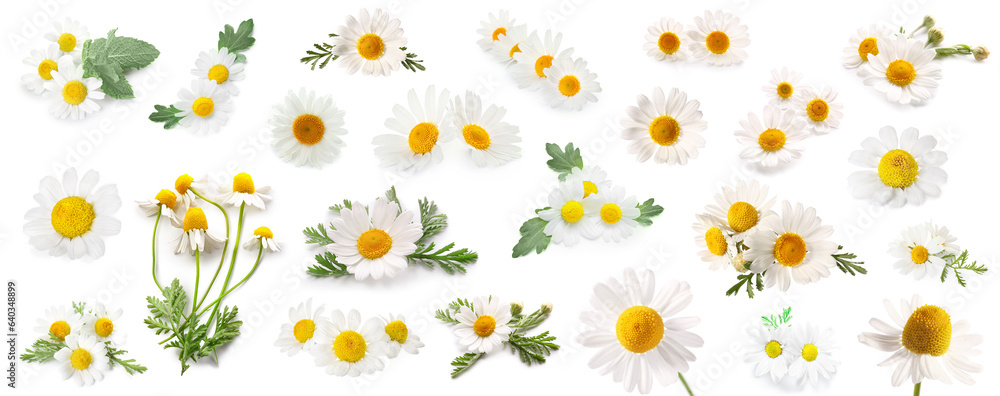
(73, 95)
(205, 108)
(818, 109)
(418, 132)
(566, 215)
(69, 35)
(72, 217)
(535, 58)
(741, 208)
(571, 85)
(919, 252)
(664, 128)
(666, 39)
(245, 192)
(400, 338)
(306, 129)
(370, 43)
(792, 247)
(374, 241)
(195, 235)
(903, 70)
(298, 334)
(493, 28)
(781, 89)
(59, 322)
(221, 68)
(42, 64)
(345, 346)
(593, 178)
(899, 170)
(510, 43)
(863, 45)
(615, 214)
(769, 352)
(101, 324)
(777, 139)
(719, 38)
(85, 359)
(815, 358)
(492, 141)
(484, 327)
(712, 240)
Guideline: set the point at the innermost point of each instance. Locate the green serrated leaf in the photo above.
(109, 58)
(239, 40)
(563, 160)
(647, 211)
(166, 115)
(533, 237)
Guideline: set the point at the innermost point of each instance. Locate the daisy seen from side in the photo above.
(712, 241)
(245, 192)
(491, 140)
(195, 235)
(163, 203)
(263, 238)
(418, 132)
(400, 338)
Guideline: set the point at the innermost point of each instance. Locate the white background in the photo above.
(486, 206)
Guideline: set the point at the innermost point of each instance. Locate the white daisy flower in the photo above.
(948, 241)
(792, 247)
(101, 324)
(535, 57)
(262, 238)
(815, 357)
(615, 214)
(634, 326)
(221, 68)
(73, 95)
(306, 129)
(776, 140)
(60, 322)
(493, 28)
(72, 217)
(510, 43)
(593, 179)
(492, 140)
(244, 192)
(571, 84)
(374, 241)
(666, 40)
(899, 170)
(919, 252)
(205, 108)
(400, 338)
(297, 334)
(719, 38)
(370, 43)
(566, 216)
(863, 45)
(84, 359)
(924, 343)
(769, 352)
(483, 328)
(186, 185)
(666, 128)
(165, 203)
(418, 132)
(741, 208)
(780, 91)
(903, 70)
(42, 64)
(818, 109)
(712, 240)
(345, 346)
(195, 235)
(69, 35)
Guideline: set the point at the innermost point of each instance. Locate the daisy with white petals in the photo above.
(370, 43)
(298, 334)
(69, 35)
(510, 43)
(863, 45)
(714, 243)
(101, 324)
(262, 238)
(535, 59)
(165, 204)
(719, 38)
(205, 108)
(493, 28)
(195, 235)
(792, 247)
(666, 128)
(41, 63)
(567, 219)
(919, 252)
(73, 216)
(400, 338)
(484, 327)
(667, 40)
(307, 129)
(245, 192)
(59, 322)
(593, 179)
(418, 132)
(615, 214)
(739, 209)
(903, 70)
(374, 241)
(185, 185)
(777, 139)
(571, 85)
(492, 140)
(782, 87)
(899, 169)
(345, 346)
(769, 352)
(73, 95)
(819, 110)
(947, 240)
(221, 68)
(814, 347)
(85, 359)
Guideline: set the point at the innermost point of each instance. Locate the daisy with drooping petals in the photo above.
(100, 324)
(918, 252)
(221, 68)
(263, 238)
(792, 247)
(664, 128)
(59, 322)
(185, 185)
(719, 39)
(493, 28)
(815, 357)
(818, 107)
(571, 85)
(419, 132)
(345, 346)
(535, 58)
(781, 89)
(374, 241)
(84, 358)
(903, 70)
(900, 170)
(615, 214)
(863, 45)
(73, 216)
(205, 108)
(69, 35)
(770, 352)
(74, 95)
(370, 43)
(510, 44)
(491, 139)
(306, 129)
(713, 241)
(195, 235)
(639, 339)
(297, 335)
(42, 64)
(400, 338)
(483, 328)
(776, 140)
(567, 219)
(163, 203)
(593, 179)
(924, 343)
(244, 192)
(666, 40)
(741, 208)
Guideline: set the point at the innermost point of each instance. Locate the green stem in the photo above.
(683, 381)
(197, 277)
(155, 226)
(260, 252)
(224, 246)
(916, 389)
(232, 263)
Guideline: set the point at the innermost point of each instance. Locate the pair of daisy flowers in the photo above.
(717, 38)
(86, 337)
(587, 205)
(57, 73)
(802, 353)
(894, 64)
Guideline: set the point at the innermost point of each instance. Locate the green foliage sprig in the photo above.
(108, 58)
(774, 322)
(322, 54)
(959, 263)
(750, 281)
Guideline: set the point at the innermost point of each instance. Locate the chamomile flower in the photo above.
(345, 346)
(947, 240)
(899, 170)
(903, 70)
(776, 140)
(84, 359)
(535, 59)
(73, 95)
(567, 218)
(262, 238)
(713, 241)
(615, 214)
(815, 358)
(186, 185)
(493, 28)
(101, 324)
(400, 338)
(770, 352)
(221, 68)
(925, 344)
(484, 327)
(919, 252)
(666, 40)
(69, 35)
(666, 128)
(306, 129)
(165, 203)
(73, 216)
(205, 108)
(635, 327)
(593, 179)
(510, 44)
(42, 64)
(60, 322)
(782, 88)
(719, 38)
(298, 334)
(741, 208)
(195, 235)
(418, 132)
(571, 84)
(492, 141)
(370, 43)
(863, 45)
(244, 192)
(792, 247)
(821, 112)
(374, 241)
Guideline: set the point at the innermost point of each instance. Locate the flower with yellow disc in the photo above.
(374, 241)
(719, 39)
(84, 359)
(774, 140)
(863, 45)
(166, 204)
(59, 322)
(666, 128)
(41, 64)
(69, 35)
(593, 179)
(535, 57)
(299, 333)
(492, 29)
(195, 235)
(813, 346)
(741, 208)
(819, 109)
(484, 326)
(567, 217)
(770, 352)
(418, 131)
(900, 169)
(491, 140)
(346, 346)
(714, 241)
(903, 70)
(262, 238)
(615, 214)
(400, 337)
(792, 247)
(102, 324)
(205, 107)
(510, 44)
(73, 217)
(570, 84)
(245, 192)
(220, 67)
(307, 129)
(667, 40)
(370, 43)
(781, 90)
(74, 96)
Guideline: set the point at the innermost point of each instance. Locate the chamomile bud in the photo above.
(935, 36)
(516, 308)
(547, 308)
(738, 263)
(928, 21)
(980, 52)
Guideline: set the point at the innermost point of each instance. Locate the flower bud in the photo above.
(980, 52)
(935, 36)
(516, 308)
(928, 21)
(547, 308)
(738, 263)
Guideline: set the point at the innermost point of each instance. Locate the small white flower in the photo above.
(667, 40)
(68, 35)
(719, 38)
(73, 95)
(205, 108)
(400, 338)
(221, 68)
(483, 328)
(307, 129)
(102, 324)
(818, 109)
(775, 140)
(297, 335)
(919, 251)
(769, 352)
(781, 90)
(245, 192)
(262, 238)
(85, 359)
(566, 216)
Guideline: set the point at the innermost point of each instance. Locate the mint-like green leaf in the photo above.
(166, 115)
(109, 58)
(239, 40)
(532, 237)
(563, 161)
(647, 211)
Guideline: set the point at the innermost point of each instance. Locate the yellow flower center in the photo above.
(543, 62)
(264, 232)
(664, 130)
(243, 183)
(569, 85)
(80, 359)
(304, 330)
(715, 241)
(785, 90)
(484, 326)
(898, 169)
(349, 346)
(818, 109)
(639, 329)
(900, 72)
(717, 42)
(476, 136)
(370, 46)
(195, 219)
(742, 216)
(46, 67)
(919, 255)
(810, 352)
(219, 74)
(611, 213)
(514, 49)
(771, 140)
(183, 183)
(927, 331)
(60, 329)
(572, 211)
(74, 92)
(868, 46)
(67, 42)
(397, 331)
(668, 43)
(104, 327)
(166, 198)
(498, 32)
(773, 349)
(203, 106)
(589, 188)
(789, 249)
(308, 129)
(72, 217)
(423, 137)
(374, 243)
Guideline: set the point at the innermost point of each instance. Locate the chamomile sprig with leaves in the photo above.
(373, 44)
(927, 249)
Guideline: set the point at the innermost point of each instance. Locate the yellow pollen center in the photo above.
(183, 183)
(219, 74)
(611, 213)
(195, 219)
(60, 329)
(349, 346)
(919, 255)
(639, 329)
(203, 106)
(898, 169)
(543, 62)
(423, 137)
(789, 249)
(785, 90)
(569, 85)
(498, 32)
(773, 349)
(370, 46)
(484, 326)
(374, 243)
(67, 42)
(664, 130)
(264, 232)
(715, 241)
(810, 352)
(243, 183)
(397, 331)
(104, 327)
(717, 42)
(589, 188)
(742, 216)
(669, 43)
(868, 46)
(166, 198)
(572, 211)
(476, 136)
(900, 72)
(516, 48)
(46, 67)
(304, 330)
(771, 140)
(308, 129)
(72, 217)
(818, 109)
(928, 331)
(74, 92)
(80, 359)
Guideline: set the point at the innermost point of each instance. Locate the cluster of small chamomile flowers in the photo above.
(785, 351)
(344, 344)
(73, 215)
(372, 43)
(718, 38)
(537, 63)
(929, 249)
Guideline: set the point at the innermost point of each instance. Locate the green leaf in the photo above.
(647, 211)
(533, 237)
(166, 115)
(846, 264)
(322, 56)
(327, 265)
(79, 307)
(130, 366)
(533, 319)
(532, 350)
(431, 221)
(43, 350)
(109, 58)
(338, 207)
(774, 322)
(751, 280)
(445, 315)
(463, 363)
(239, 40)
(449, 261)
(390, 194)
(411, 62)
(317, 235)
(958, 264)
(563, 160)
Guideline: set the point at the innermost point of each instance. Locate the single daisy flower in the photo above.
(664, 128)
(42, 64)
(899, 170)
(741, 208)
(819, 110)
(72, 217)
(635, 327)
(903, 70)
(165, 203)
(781, 89)
(69, 35)
(492, 141)
(84, 359)
(244, 192)
(483, 328)
(298, 334)
(370, 43)
(306, 129)
(195, 235)
(770, 352)
(571, 84)
(73, 95)
(567, 217)
(815, 358)
(204, 108)
(615, 214)
(493, 28)
(185, 185)
(345, 346)
(219, 67)
(374, 241)
(59, 322)
(262, 237)
(919, 252)
(400, 338)
(100, 324)
(863, 45)
(719, 38)
(924, 343)
(713, 241)
(535, 58)
(418, 132)
(593, 178)
(792, 247)
(666, 40)
(510, 44)
(776, 140)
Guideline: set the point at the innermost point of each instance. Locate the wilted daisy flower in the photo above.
(776, 140)
(719, 39)
(615, 214)
(73, 95)
(492, 140)
(244, 192)
(69, 35)
(72, 217)
(741, 208)
(84, 359)
(815, 358)
(374, 241)
(371, 44)
(781, 89)
(919, 252)
(419, 132)
(510, 43)
(535, 58)
(221, 68)
(195, 235)
(185, 185)
(863, 45)
(713, 241)
(345, 346)
(483, 327)
(664, 128)
(769, 352)
(667, 40)
(900, 170)
(400, 337)
(204, 108)
(307, 129)
(165, 203)
(297, 335)
(821, 113)
(566, 217)
(593, 179)
(571, 84)
(791, 247)
(903, 70)
(42, 64)
(262, 238)
(493, 28)
(100, 324)
(59, 322)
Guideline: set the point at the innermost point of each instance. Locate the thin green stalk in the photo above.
(197, 277)
(232, 263)
(260, 252)
(683, 381)
(225, 246)
(916, 389)
(155, 226)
